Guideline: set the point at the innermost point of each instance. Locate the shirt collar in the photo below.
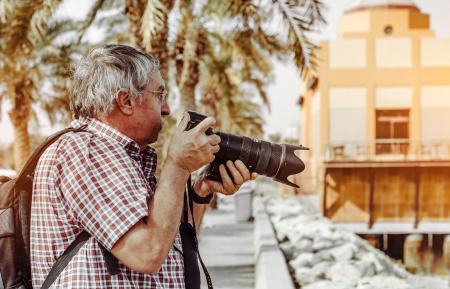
(146, 158)
(102, 129)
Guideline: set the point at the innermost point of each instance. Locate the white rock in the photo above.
(304, 276)
(325, 255)
(366, 268)
(350, 262)
(294, 236)
(383, 282)
(327, 285)
(304, 260)
(322, 244)
(371, 258)
(344, 273)
(304, 245)
(344, 252)
(319, 270)
(288, 249)
(426, 282)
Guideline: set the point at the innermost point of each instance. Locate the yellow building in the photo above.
(377, 121)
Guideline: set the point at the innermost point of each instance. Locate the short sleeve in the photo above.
(102, 188)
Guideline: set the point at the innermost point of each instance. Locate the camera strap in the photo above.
(190, 244)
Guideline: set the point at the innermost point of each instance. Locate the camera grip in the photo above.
(195, 119)
(213, 172)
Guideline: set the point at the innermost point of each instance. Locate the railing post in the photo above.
(371, 196)
(325, 188)
(417, 201)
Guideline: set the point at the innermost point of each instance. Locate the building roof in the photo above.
(386, 3)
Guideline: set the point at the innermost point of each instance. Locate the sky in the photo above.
(284, 92)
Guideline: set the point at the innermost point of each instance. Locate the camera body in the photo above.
(212, 172)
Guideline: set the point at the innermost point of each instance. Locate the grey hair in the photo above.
(103, 72)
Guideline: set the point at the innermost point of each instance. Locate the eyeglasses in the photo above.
(161, 94)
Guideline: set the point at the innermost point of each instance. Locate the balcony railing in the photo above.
(389, 150)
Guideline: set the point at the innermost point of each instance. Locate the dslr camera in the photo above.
(277, 161)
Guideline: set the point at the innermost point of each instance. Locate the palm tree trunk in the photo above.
(190, 73)
(158, 45)
(158, 48)
(188, 89)
(19, 115)
(134, 9)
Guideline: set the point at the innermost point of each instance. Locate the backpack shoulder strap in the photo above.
(65, 258)
(32, 161)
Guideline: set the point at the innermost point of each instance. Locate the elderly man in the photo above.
(101, 180)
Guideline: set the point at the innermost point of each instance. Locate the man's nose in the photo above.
(165, 108)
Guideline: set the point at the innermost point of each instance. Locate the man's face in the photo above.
(148, 115)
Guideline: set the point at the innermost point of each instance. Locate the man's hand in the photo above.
(193, 149)
(230, 184)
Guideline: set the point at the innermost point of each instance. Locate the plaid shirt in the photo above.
(97, 181)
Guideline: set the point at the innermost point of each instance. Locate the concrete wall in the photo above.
(404, 22)
(393, 97)
(393, 52)
(390, 53)
(271, 270)
(316, 125)
(347, 23)
(347, 121)
(435, 103)
(435, 52)
(348, 53)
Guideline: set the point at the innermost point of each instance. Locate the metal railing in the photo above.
(388, 150)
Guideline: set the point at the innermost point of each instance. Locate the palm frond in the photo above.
(40, 19)
(15, 24)
(153, 20)
(89, 20)
(113, 4)
(301, 17)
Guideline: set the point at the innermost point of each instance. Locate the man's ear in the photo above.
(124, 102)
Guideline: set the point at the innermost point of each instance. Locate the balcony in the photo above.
(388, 150)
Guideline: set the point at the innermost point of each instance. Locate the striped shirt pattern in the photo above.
(98, 181)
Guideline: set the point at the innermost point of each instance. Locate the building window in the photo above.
(388, 30)
(392, 131)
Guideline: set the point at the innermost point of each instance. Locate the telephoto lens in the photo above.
(277, 161)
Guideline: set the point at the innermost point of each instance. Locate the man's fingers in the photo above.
(237, 178)
(204, 125)
(215, 149)
(214, 139)
(227, 183)
(242, 169)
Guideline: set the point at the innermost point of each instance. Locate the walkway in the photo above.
(227, 248)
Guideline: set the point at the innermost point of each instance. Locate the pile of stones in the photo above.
(321, 256)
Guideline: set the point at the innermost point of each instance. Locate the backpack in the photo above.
(15, 213)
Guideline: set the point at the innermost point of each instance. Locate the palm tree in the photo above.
(21, 27)
(33, 68)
